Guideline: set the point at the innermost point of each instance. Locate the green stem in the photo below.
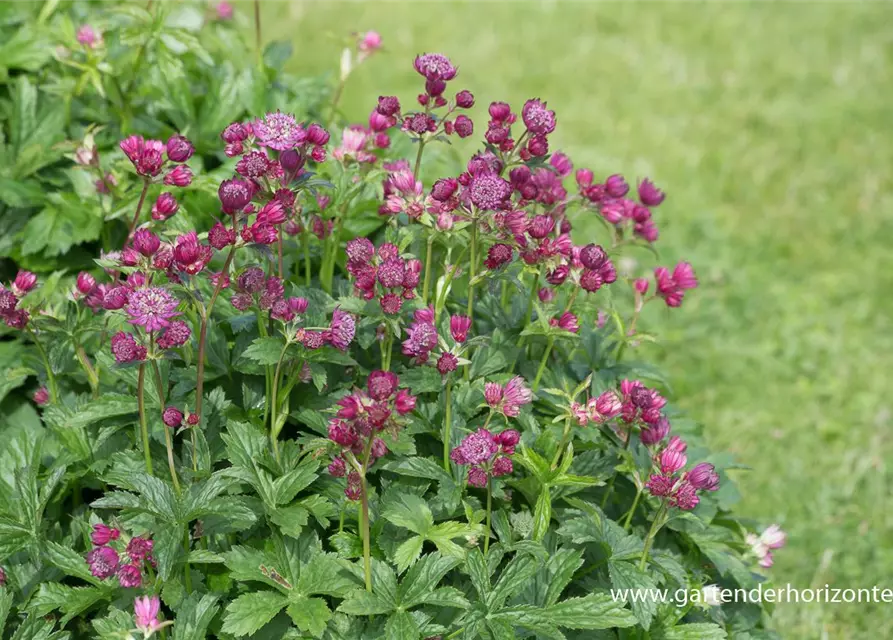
(632, 509)
(274, 429)
(305, 245)
(168, 440)
(51, 378)
(652, 532)
(144, 426)
(136, 215)
(472, 265)
(418, 158)
(187, 572)
(447, 424)
(489, 509)
(428, 260)
(92, 376)
(258, 40)
(364, 515)
(563, 443)
(542, 368)
(528, 315)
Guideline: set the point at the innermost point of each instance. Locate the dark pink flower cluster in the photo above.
(597, 410)
(126, 349)
(422, 336)
(488, 455)
(382, 273)
(672, 286)
(105, 560)
(680, 489)
(255, 289)
(616, 208)
(14, 316)
(151, 308)
(149, 157)
(508, 399)
(340, 334)
(361, 416)
(403, 193)
(538, 120)
(639, 403)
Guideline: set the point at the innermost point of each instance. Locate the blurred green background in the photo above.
(768, 126)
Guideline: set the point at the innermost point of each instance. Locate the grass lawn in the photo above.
(769, 127)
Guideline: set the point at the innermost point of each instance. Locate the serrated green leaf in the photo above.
(290, 520)
(249, 612)
(71, 601)
(512, 580)
(309, 614)
(194, 616)
(401, 626)
(627, 577)
(409, 511)
(422, 380)
(285, 488)
(408, 552)
(423, 577)
(265, 350)
(362, 603)
(542, 514)
(69, 562)
(695, 631)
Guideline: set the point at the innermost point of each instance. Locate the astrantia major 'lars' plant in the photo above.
(361, 401)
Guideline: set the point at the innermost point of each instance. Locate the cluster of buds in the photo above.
(422, 337)
(640, 404)
(488, 455)
(589, 267)
(105, 560)
(382, 273)
(538, 120)
(14, 316)
(151, 157)
(255, 290)
(762, 545)
(89, 37)
(403, 193)
(680, 488)
(340, 334)
(596, 410)
(451, 357)
(173, 418)
(280, 132)
(363, 415)
(507, 399)
(617, 209)
(672, 286)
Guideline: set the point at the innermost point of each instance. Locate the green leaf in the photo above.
(168, 548)
(696, 631)
(265, 350)
(72, 601)
(626, 576)
(251, 611)
(291, 520)
(422, 380)
(542, 514)
(194, 616)
(560, 567)
(401, 626)
(362, 603)
(309, 614)
(446, 597)
(409, 511)
(5, 606)
(594, 611)
(287, 487)
(421, 580)
(114, 625)
(408, 552)
(69, 562)
(512, 580)
(476, 568)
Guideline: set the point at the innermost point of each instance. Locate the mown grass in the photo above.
(769, 126)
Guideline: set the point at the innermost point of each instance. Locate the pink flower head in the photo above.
(677, 444)
(152, 308)
(685, 497)
(489, 192)
(502, 466)
(649, 194)
(23, 283)
(447, 362)
(341, 330)
(279, 131)
(139, 548)
(88, 36)
(567, 321)
(435, 66)
(145, 613)
(130, 576)
(404, 402)
(660, 486)
(190, 255)
(103, 534)
(103, 562)
(41, 396)
(146, 242)
(562, 164)
(514, 395)
(381, 385)
(493, 392)
(234, 195)
(146, 155)
(172, 417)
(165, 206)
(671, 461)
(126, 349)
(368, 43)
(498, 255)
(651, 435)
(703, 476)
(179, 149)
(477, 477)
(605, 406)
(224, 10)
(672, 287)
(773, 537)
(537, 118)
(459, 326)
(476, 448)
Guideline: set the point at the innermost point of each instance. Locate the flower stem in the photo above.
(364, 514)
(472, 265)
(257, 32)
(88, 368)
(418, 158)
(489, 509)
(280, 255)
(563, 443)
(428, 260)
(305, 244)
(274, 427)
(168, 440)
(527, 317)
(447, 424)
(542, 368)
(51, 378)
(652, 532)
(144, 426)
(139, 209)
(632, 509)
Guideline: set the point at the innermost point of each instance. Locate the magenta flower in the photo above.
(567, 321)
(446, 363)
(88, 36)
(368, 43)
(234, 195)
(139, 548)
(489, 192)
(165, 206)
(176, 335)
(672, 287)
(103, 562)
(671, 461)
(126, 349)
(404, 402)
(435, 66)
(279, 131)
(179, 149)
(685, 497)
(190, 255)
(41, 396)
(130, 576)
(649, 194)
(459, 326)
(487, 455)
(498, 255)
(103, 534)
(703, 476)
(422, 336)
(651, 435)
(537, 118)
(179, 176)
(145, 614)
(172, 417)
(341, 330)
(381, 385)
(152, 308)
(146, 155)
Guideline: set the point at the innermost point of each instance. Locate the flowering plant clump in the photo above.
(340, 397)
